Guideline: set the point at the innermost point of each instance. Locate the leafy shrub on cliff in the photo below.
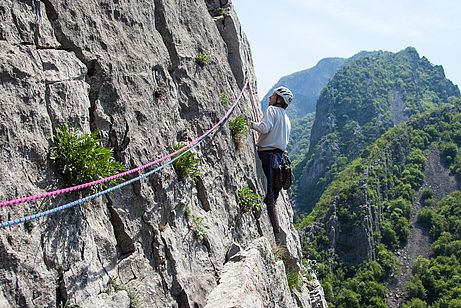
(188, 164)
(294, 279)
(114, 285)
(224, 99)
(203, 58)
(198, 227)
(249, 200)
(81, 158)
(68, 304)
(239, 129)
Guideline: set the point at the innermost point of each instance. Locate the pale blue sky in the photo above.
(292, 35)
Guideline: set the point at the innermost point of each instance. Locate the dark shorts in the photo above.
(271, 161)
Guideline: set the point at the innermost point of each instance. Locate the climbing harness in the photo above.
(286, 175)
(172, 156)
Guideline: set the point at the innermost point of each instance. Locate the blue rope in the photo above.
(37, 10)
(63, 207)
(94, 196)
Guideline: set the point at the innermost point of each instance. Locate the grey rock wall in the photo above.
(255, 278)
(248, 279)
(128, 69)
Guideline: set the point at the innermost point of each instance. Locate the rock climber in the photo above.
(274, 132)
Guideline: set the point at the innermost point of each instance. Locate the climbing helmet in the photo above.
(285, 93)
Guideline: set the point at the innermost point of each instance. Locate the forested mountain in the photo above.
(306, 86)
(366, 214)
(371, 177)
(299, 138)
(436, 280)
(367, 96)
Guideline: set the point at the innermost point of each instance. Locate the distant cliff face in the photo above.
(129, 69)
(364, 99)
(306, 86)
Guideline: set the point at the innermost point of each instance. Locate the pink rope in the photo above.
(113, 177)
(255, 105)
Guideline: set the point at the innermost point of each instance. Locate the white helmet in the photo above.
(285, 93)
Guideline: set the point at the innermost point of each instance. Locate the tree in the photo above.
(415, 303)
(348, 299)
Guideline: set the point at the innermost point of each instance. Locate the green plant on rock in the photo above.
(249, 200)
(224, 99)
(188, 164)
(68, 304)
(115, 285)
(239, 129)
(198, 227)
(223, 11)
(294, 279)
(187, 211)
(80, 157)
(203, 58)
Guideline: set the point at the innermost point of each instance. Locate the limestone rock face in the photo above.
(128, 69)
(252, 278)
(255, 278)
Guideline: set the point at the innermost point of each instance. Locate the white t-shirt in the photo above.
(274, 129)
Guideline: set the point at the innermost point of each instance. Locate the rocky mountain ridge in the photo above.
(306, 86)
(364, 99)
(129, 69)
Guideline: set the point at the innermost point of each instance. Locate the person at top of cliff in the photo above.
(274, 132)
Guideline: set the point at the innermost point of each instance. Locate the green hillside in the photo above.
(299, 138)
(364, 99)
(364, 215)
(437, 280)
